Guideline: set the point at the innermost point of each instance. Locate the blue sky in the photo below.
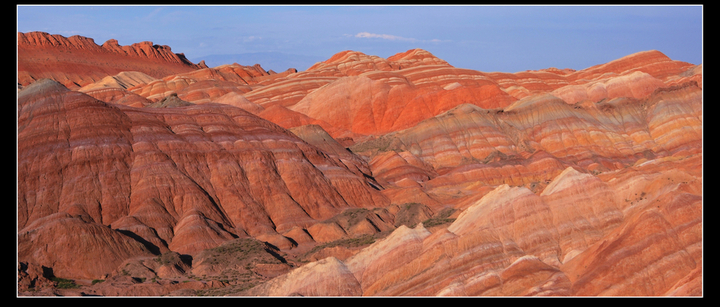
(485, 38)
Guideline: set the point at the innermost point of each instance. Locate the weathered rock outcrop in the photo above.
(367, 176)
(537, 137)
(513, 242)
(185, 178)
(77, 61)
(365, 105)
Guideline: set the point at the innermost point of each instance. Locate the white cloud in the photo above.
(383, 36)
(392, 37)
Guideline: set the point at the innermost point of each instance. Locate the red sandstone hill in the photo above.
(77, 61)
(360, 176)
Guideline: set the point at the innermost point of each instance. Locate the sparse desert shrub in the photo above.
(436, 221)
(355, 215)
(409, 214)
(350, 242)
(63, 283)
(168, 258)
(443, 217)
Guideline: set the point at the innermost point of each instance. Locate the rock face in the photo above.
(513, 242)
(376, 106)
(77, 61)
(162, 174)
(361, 176)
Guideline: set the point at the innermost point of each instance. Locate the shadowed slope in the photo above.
(213, 168)
(574, 239)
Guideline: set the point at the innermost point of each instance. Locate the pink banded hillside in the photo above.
(360, 176)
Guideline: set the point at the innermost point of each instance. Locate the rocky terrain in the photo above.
(140, 173)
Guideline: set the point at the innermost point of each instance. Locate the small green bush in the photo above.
(436, 221)
(350, 242)
(63, 283)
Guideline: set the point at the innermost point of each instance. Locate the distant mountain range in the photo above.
(275, 61)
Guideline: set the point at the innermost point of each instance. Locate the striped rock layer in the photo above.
(555, 182)
(579, 237)
(183, 179)
(77, 61)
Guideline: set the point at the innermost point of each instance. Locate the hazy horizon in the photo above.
(484, 38)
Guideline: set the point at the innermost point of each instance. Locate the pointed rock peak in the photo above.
(499, 192)
(499, 197)
(399, 236)
(43, 40)
(111, 43)
(419, 56)
(418, 232)
(567, 178)
(345, 56)
(124, 79)
(145, 43)
(402, 236)
(412, 53)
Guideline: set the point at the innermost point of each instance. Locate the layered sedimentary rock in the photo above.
(403, 176)
(185, 178)
(397, 92)
(287, 91)
(636, 85)
(114, 89)
(550, 227)
(54, 242)
(327, 277)
(124, 80)
(527, 83)
(652, 62)
(238, 100)
(367, 106)
(119, 96)
(383, 95)
(207, 84)
(77, 61)
(515, 242)
(192, 89)
(536, 137)
(657, 249)
(288, 119)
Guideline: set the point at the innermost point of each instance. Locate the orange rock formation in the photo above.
(77, 61)
(361, 176)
